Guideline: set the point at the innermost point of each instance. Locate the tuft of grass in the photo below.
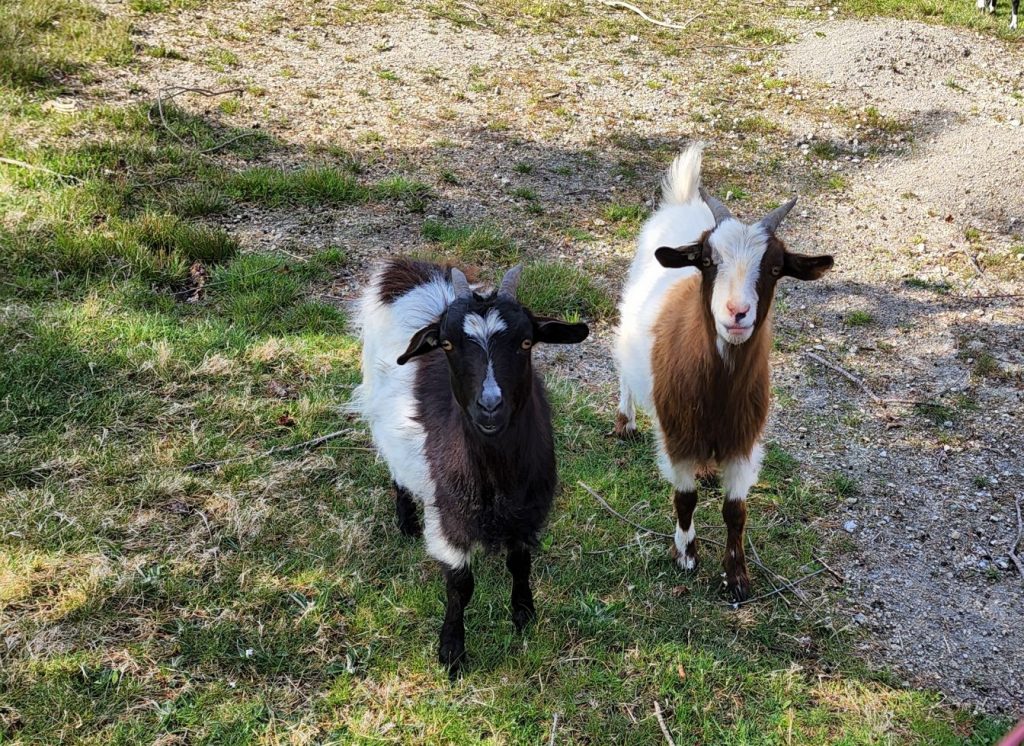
(307, 186)
(843, 485)
(987, 366)
(562, 290)
(859, 318)
(413, 194)
(626, 217)
(480, 243)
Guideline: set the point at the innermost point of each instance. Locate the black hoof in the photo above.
(739, 590)
(452, 655)
(523, 616)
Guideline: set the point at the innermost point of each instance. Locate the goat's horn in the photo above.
(718, 209)
(460, 283)
(510, 281)
(772, 220)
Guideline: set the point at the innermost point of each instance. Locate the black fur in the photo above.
(491, 456)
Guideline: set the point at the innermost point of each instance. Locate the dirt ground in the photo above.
(905, 144)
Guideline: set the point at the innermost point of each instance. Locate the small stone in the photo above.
(850, 526)
(860, 619)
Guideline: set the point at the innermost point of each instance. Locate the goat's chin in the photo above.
(734, 338)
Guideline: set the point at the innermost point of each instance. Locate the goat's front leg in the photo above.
(518, 563)
(452, 649)
(738, 476)
(683, 476)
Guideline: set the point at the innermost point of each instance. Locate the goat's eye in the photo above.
(446, 346)
(706, 262)
(776, 271)
(527, 344)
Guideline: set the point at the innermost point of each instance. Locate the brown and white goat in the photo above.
(693, 343)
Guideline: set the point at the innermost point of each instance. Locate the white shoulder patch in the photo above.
(481, 328)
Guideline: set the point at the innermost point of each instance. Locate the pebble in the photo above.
(850, 526)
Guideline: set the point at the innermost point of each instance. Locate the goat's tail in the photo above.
(683, 177)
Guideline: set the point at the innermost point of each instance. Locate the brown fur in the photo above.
(402, 274)
(709, 411)
(735, 562)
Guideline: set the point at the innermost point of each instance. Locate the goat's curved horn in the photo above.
(510, 282)
(461, 284)
(772, 220)
(718, 208)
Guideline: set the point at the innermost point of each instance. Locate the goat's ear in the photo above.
(556, 331)
(684, 256)
(804, 267)
(423, 341)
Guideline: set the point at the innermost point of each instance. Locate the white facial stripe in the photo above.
(491, 387)
(738, 249)
(480, 328)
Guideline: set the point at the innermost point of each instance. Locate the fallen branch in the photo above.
(792, 585)
(753, 551)
(42, 169)
(1020, 535)
(661, 724)
(845, 374)
(304, 445)
(664, 24)
(554, 730)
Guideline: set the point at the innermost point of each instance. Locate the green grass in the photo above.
(963, 15)
(859, 318)
(480, 243)
(270, 598)
(562, 290)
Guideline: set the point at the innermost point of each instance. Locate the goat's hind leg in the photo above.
(405, 512)
(1013, 13)
(625, 419)
(738, 476)
(518, 563)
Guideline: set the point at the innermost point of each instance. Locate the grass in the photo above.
(561, 290)
(481, 243)
(859, 318)
(271, 599)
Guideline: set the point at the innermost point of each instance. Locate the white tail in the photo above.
(683, 177)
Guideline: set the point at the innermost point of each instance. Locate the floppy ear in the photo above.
(556, 331)
(804, 267)
(425, 340)
(684, 256)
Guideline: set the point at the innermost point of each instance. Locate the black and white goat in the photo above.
(990, 6)
(693, 344)
(462, 420)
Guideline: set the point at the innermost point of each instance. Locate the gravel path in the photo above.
(906, 146)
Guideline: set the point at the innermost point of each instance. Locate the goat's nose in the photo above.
(739, 312)
(489, 402)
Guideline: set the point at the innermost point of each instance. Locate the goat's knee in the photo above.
(518, 563)
(405, 512)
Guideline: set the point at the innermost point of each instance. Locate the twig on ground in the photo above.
(661, 724)
(665, 24)
(554, 730)
(304, 445)
(845, 374)
(769, 594)
(619, 515)
(169, 93)
(753, 551)
(838, 576)
(42, 169)
(1020, 535)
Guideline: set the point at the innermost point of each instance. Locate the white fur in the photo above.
(980, 5)
(385, 398)
(737, 250)
(683, 539)
(1013, 21)
(481, 328)
(739, 475)
(491, 387)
